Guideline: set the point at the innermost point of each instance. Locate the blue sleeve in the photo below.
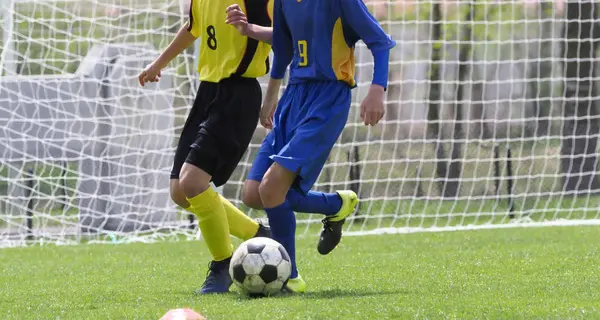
(283, 50)
(356, 15)
(366, 27)
(381, 60)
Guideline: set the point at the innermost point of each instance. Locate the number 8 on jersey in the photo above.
(211, 40)
(224, 52)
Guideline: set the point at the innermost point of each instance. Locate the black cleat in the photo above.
(331, 235)
(263, 231)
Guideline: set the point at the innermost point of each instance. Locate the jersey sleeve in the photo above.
(193, 24)
(357, 16)
(283, 49)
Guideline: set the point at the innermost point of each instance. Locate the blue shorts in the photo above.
(308, 121)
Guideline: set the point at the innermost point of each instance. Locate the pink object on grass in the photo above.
(182, 314)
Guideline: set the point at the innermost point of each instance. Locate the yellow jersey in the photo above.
(224, 52)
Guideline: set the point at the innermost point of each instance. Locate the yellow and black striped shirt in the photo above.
(224, 52)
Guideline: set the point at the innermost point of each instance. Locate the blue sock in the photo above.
(314, 202)
(283, 230)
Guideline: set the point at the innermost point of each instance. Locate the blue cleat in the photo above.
(217, 279)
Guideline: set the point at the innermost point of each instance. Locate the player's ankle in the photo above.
(221, 263)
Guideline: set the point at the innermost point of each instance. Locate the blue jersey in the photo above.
(318, 37)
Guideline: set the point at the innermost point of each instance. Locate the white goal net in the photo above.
(492, 121)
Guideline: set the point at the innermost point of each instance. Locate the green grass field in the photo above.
(549, 273)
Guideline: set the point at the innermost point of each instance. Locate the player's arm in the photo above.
(237, 18)
(367, 28)
(283, 52)
(260, 33)
(183, 39)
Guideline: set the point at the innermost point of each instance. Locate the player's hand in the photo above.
(237, 18)
(371, 109)
(266, 113)
(150, 74)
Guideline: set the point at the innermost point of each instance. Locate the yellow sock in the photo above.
(212, 221)
(240, 225)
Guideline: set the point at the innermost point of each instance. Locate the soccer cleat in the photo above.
(332, 225)
(263, 231)
(295, 285)
(217, 279)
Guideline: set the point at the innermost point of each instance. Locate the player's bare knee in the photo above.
(275, 185)
(193, 180)
(251, 195)
(271, 192)
(177, 194)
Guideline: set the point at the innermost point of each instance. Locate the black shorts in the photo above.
(219, 127)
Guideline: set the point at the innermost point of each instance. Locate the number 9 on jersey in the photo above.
(302, 50)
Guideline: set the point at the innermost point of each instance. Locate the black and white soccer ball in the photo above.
(260, 266)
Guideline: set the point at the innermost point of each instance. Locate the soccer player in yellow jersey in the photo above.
(220, 125)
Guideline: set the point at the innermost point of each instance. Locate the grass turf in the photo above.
(509, 273)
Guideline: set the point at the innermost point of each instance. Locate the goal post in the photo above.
(491, 121)
(7, 59)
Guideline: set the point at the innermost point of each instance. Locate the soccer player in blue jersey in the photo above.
(316, 38)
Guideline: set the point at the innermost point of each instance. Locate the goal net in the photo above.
(491, 121)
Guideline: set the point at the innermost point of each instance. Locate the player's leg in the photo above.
(328, 204)
(311, 202)
(275, 181)
(186, 139)
(308, 149)
(250, 194)
(215, 148)
(262, 162)
(335, 206)
(281, 217)
(308, 121)
(240, 115)
(239, 225)
(206, 204)
(273, 189)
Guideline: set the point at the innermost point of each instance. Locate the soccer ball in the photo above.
(260, 266)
